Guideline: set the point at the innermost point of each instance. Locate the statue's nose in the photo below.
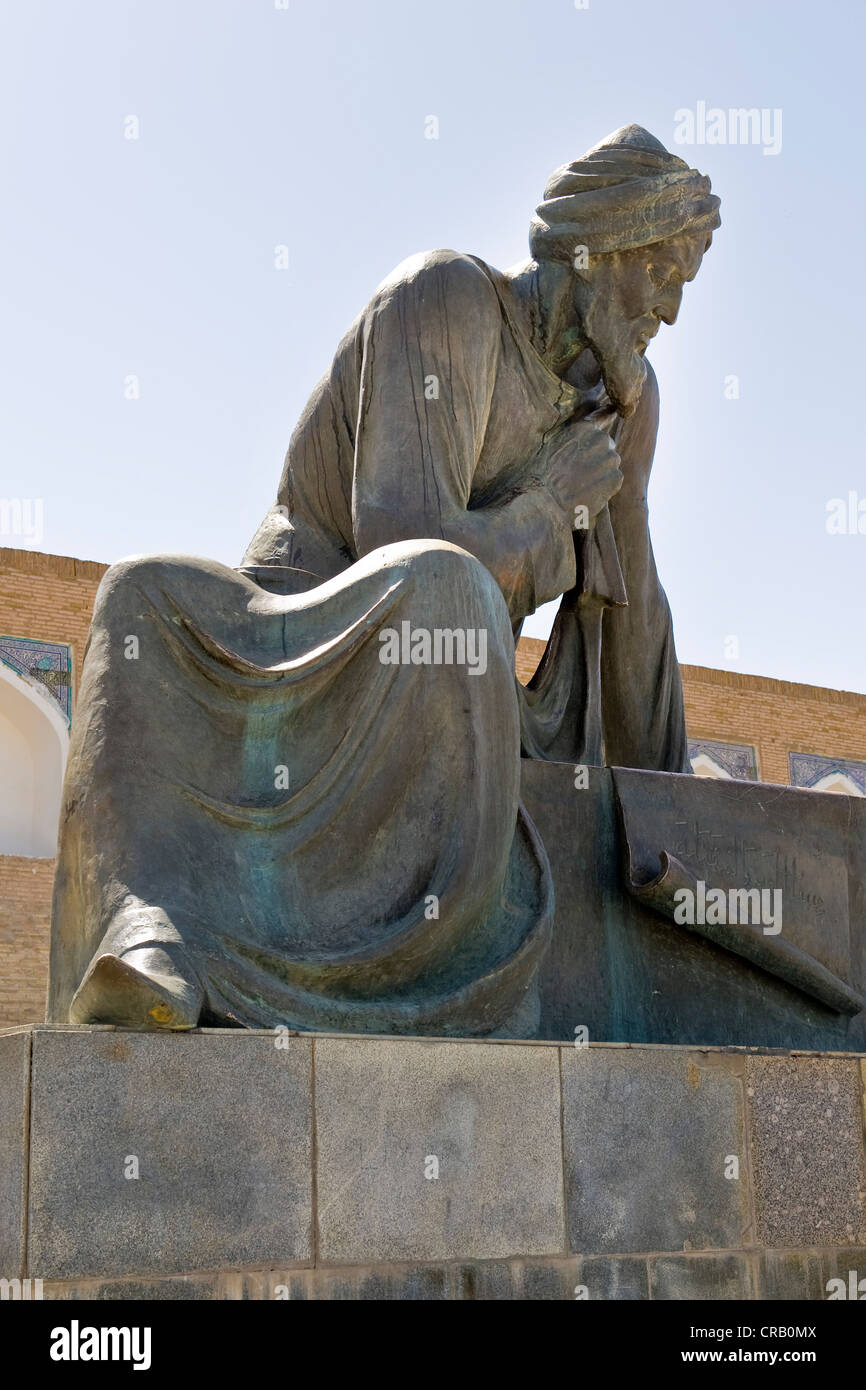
(668, 308)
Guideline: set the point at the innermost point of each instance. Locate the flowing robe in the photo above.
(319, 838)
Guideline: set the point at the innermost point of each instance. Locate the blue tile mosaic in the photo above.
(808, 769)
(50, 663)
(737, 759)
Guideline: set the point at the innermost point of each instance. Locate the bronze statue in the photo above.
(293, 789)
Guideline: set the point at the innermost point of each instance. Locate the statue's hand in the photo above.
(581, 469)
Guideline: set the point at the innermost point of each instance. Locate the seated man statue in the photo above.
(293, 788)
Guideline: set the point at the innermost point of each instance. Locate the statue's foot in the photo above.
(140, 989)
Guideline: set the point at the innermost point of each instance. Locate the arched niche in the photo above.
(705, 766)
(34, 741)
(837, 783)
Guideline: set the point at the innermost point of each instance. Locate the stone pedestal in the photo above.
(228, 1164)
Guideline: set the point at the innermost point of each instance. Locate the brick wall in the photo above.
(775, 717)
(25, 914)
(47, 598)
(529, 652)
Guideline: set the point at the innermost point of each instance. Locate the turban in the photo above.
(627, 191)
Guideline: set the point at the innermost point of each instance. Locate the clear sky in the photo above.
(304, 127)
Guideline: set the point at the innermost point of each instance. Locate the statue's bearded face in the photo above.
(623, 298)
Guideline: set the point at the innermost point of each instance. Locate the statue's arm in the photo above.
(430, 357)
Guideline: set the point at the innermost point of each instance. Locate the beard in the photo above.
(623, 371)
(623, 368)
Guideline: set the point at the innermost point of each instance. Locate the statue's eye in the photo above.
(659, 280)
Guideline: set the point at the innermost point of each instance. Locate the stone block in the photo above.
(806, 1127)
(190, 1288)
(14, 1100)
(424, 1283)
(256, 1285)
(713, 1277)
(354, 1283)
(484, 1115)
(220, 1127)
(842, 1275)
(614, 1280)
(550, 1280)
(813, 1274)
(647, 1134)
(496, 1280)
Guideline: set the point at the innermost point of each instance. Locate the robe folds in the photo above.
(319, 836)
